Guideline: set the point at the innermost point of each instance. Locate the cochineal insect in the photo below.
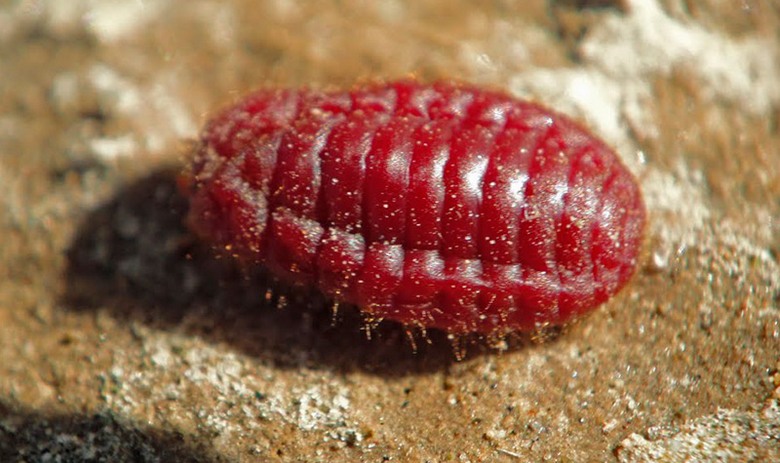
(435, 205)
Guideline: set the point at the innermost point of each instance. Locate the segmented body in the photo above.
(437, 205)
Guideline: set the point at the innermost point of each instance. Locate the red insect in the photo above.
(439, 206)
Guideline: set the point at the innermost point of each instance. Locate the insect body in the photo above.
(440, 206)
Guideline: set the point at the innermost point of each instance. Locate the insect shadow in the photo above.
(135, 258)
(30, 435)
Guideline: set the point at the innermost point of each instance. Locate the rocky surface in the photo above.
(121, 338)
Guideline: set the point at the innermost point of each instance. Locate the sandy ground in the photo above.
(121, 339)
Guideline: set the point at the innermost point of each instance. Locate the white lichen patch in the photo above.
(318, 407)
(107, 20)
(236, 394)
(154, 115)
(728, 436)
(622, 56)
(679, 197)
(647, 42)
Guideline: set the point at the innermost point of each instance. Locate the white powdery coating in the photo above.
(222, 372)
(107, 20)
(113, 20)
(115, 92)
(728, 435)
(648, 42)
(680, 195)
(113, 147)
(242, 394)
(155, 112)
(624, 53)
(315, 407)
